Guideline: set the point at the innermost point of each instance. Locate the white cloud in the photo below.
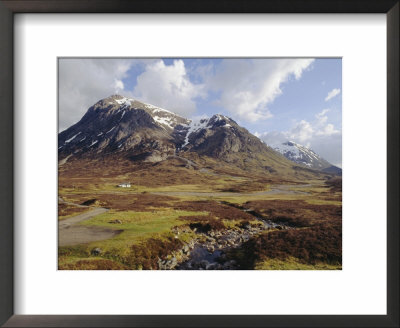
(247, 87)
(243, 87)
(321, 117)
(273, 137)
(320, 136)
(302, 132)
(82, 82)
(327, 130)
(118, 85)
(322, 127)
(168, 86)
(332, 93)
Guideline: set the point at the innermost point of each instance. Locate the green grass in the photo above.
(292, 263)
(139, 224)
(316, 201)
(217, 183)
(137, 227)
(84, 263)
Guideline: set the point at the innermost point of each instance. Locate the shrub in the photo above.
(204, 223)
(319, 243)
(335, 183)
(216, 209)
(145, 255)
(91, 264)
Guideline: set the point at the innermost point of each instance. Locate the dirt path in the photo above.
(70, 233)
(81, 217)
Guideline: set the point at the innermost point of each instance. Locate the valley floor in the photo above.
(212, 221)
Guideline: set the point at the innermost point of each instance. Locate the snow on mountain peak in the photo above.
(158, 109)
(124, 101)
(194, 126)
(300, 154)
(163, 117)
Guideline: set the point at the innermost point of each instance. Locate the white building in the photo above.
(125, 185)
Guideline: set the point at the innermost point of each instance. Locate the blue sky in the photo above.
(298, 99)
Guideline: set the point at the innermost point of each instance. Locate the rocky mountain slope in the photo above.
(120, 127)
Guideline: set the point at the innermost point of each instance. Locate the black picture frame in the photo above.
(10, 7)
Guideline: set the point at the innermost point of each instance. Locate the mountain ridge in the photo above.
(122, 127)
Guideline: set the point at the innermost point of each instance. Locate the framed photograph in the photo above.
(206, 164)
(196, 186)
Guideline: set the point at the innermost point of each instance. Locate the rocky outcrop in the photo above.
(208, 250)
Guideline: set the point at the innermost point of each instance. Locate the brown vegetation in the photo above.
(204, 223)
(317, 239)
(92, 264)
(335, 184)
(321, 243)
(65, 210)
(221, 211)
(91, 202)
(145, 255)
(217, 213)
(135, 202)
(296, 213)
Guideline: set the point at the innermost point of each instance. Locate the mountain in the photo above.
(333, 170)
(305, 156)
(119, 127)
(220, 137)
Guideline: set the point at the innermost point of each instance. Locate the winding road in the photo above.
(71, 233)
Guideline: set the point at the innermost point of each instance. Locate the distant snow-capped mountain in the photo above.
(305, 156)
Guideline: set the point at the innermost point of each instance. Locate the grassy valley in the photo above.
(178, 215)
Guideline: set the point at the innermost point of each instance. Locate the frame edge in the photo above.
(393, 146)
(6, 165)
(6, 199)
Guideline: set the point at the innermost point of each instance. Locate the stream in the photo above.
(209, 251)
